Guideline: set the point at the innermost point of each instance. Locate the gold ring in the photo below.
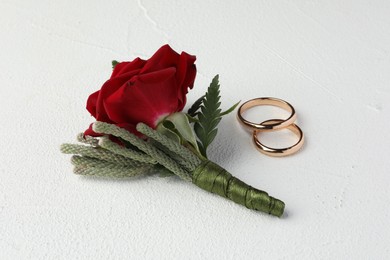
(278, 124)
(282, 151)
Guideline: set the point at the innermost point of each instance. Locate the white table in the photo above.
(330, 59)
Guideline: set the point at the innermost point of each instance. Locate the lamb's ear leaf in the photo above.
(183, 128)
(167, 128)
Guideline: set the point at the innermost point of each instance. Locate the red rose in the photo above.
(144, 91)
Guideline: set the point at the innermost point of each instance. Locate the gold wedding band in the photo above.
(272, 125)
(279, 152)
(277, 124)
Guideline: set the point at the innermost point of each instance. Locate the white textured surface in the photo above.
(330, 59)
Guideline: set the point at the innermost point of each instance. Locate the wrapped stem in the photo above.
(213, 178)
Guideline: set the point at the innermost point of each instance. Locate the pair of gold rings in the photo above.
(272, 125)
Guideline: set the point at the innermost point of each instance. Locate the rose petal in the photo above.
(125, 67)
(119, 68)
(142, 100)
(107, 89)
(186, 73)
(90, 132)
(163, 58)
(91, 103)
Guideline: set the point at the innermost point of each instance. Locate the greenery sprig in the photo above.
(206, 110)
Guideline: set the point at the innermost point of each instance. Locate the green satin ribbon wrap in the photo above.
(213, 178)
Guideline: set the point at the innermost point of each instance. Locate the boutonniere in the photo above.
(141, 129)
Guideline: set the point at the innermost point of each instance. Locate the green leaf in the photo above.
(167, 128)
(230, 109)
(209, 116)
(201, 149)
(114, 63)
(192, 119)
(195, 107)
(183, 128)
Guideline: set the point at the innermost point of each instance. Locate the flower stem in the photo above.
(213, 178)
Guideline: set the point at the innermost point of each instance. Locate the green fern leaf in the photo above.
(209, 116)
(193, 111)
